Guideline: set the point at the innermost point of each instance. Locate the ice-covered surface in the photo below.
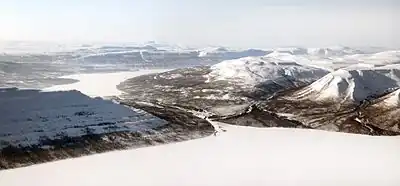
(351, 85)
(240, 156)
(255, 70)
(26, 116)
(100, 84)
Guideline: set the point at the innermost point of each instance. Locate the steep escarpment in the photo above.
(37, 127)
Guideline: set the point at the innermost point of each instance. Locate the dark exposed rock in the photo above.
(259, 118)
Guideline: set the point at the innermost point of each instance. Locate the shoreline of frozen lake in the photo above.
(100, 84)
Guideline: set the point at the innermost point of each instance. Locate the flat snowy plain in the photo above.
(100, 84)
(240, 156)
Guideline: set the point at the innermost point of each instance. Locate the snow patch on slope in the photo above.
(391, 100)
(255, 70)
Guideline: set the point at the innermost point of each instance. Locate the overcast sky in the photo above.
(237, 23)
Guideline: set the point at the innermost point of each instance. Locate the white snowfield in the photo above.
(254, 70)
(100, 84)
(351, 85)
(391, 100)
(240, 156)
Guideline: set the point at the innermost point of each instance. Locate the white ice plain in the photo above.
(100, 84)
(240, 156)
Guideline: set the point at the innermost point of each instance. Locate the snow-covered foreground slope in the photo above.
(255, 70)
(100, 85)
(240, 156)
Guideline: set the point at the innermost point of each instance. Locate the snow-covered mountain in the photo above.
(322, 52)
(296, 85)
(333, 51)
(212, 51)
(256, 70)
(360, 98)
(226, 80)
(338, 59)
(379, 58)
(350, 85)
(226, 89)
